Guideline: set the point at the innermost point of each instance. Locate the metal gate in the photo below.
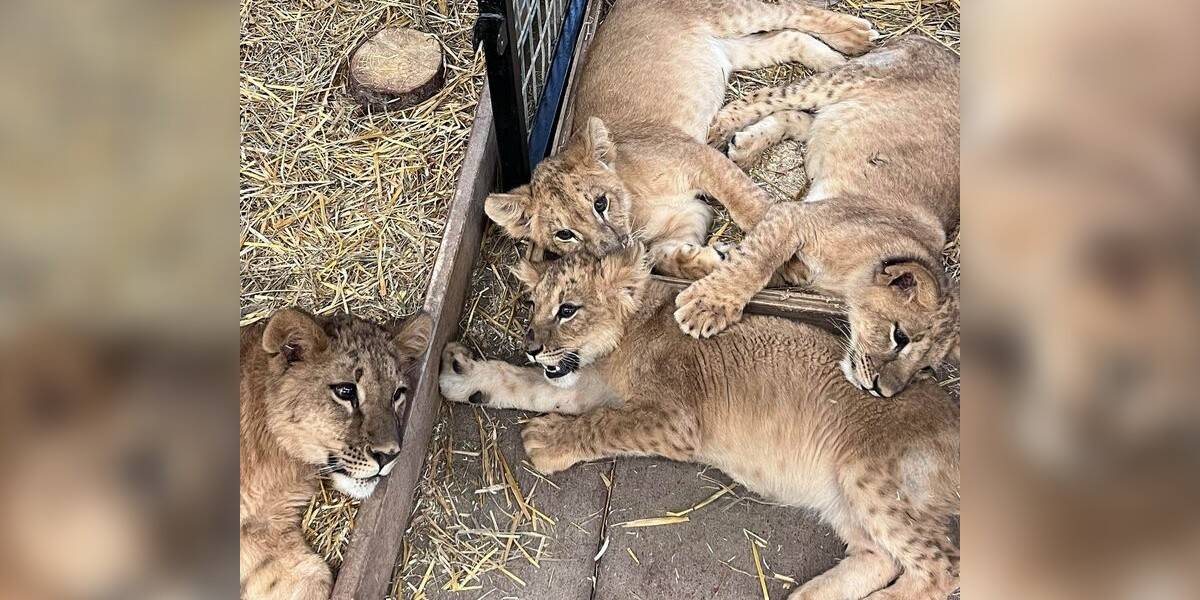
(529, 46)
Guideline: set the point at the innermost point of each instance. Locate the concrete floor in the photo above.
(709, 557)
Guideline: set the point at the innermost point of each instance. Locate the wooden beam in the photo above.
(799, 305)
(382, 519)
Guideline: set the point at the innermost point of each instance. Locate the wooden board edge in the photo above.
(800, 305)
(382, 519)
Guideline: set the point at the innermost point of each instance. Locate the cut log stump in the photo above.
(396, 68)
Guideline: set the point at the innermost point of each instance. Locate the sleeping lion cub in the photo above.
(883, 474)
(319, 397)
(653, 79)
(882, 158)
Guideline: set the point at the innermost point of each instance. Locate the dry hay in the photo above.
(472, 520)
(343, 210)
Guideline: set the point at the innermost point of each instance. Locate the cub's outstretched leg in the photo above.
(810, 94)
(747, 145)
(910, 522)
(278, 565)
(500, 385)
(866, 568)
(715, 302)
(778, 47)
(555, 442)
(844, 33)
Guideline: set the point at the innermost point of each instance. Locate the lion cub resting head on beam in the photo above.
(882, 159)
(765, 403)
(318, 397)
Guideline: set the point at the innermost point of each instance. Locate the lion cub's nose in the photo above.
(383, 458)
(533, 348)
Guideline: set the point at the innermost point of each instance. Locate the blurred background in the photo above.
(119, 286)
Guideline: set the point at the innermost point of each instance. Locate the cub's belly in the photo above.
(778, 473)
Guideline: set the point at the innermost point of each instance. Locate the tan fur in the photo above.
(653, 79)
(883, 161)
(293, 430)
(764, 403)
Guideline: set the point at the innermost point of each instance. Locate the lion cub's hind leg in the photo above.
(747, 145)
(911, 523)
(556, 442)
(778, 47)
(845, 33)
(813, 93)
(866, 568)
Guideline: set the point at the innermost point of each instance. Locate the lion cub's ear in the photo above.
(510, 210)
(594, 142)
(912, 281)
(624, 274)
(295, 334)
(412, 336)
(529, 273)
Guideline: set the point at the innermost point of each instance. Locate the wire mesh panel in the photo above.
(529, 46)
(538, 39)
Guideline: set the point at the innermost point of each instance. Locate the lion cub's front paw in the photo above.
(549, 443)
(458, 364)
(849, 35)
(794, 272)
(703, 312)
(693, 261)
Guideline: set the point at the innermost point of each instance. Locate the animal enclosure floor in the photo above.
(715, 553)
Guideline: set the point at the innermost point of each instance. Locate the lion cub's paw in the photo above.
(794, 272)
(727, 121)
(703, 313)
(549, 443)
(458, 364)
(693, 261)
(746, 147)
(850, 35)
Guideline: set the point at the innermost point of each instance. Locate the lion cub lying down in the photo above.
(882, 158)
(764, 403)
(654, 77)
(318, 397)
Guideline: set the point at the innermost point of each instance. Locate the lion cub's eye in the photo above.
(346, 392)
(601, 204)
(399, 395)
(899, 338)
(565, 235)
(566, 311)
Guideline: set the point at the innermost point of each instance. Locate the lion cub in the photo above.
(764, 403)
(653, 79)
(319, 398)
(883, 161)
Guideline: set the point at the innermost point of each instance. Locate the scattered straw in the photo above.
(653, 522)
(341, 209)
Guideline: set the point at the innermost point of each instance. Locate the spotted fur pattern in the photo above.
(882, 158)
(764, 403)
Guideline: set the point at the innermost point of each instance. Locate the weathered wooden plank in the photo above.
(811, 307)
(382, 518)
